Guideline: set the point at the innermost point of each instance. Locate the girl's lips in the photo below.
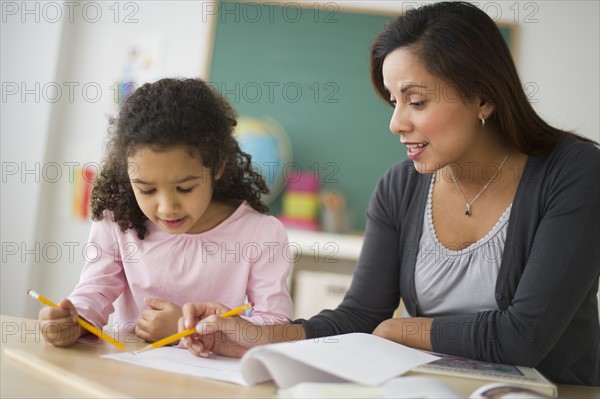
(173, 224)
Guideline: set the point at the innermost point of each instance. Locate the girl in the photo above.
(177, 217)
(488, 232)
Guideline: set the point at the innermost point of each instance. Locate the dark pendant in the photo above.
(468, 211)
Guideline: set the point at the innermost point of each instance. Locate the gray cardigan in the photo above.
(547, 282)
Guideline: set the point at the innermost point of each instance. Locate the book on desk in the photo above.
(474, 373)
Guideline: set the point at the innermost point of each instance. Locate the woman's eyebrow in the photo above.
(408, 86)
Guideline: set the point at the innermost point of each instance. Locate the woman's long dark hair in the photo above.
(462, 45)
(164, 114)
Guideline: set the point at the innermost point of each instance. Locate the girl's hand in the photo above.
(159, 321)
(59, 326)
(227, 336)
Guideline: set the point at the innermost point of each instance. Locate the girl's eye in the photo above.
(417, 104)
(185, 190)
(147, 192)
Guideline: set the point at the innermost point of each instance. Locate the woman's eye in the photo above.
(417, 104)
(185, 190)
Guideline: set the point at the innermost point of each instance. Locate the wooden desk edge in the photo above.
(85, 385)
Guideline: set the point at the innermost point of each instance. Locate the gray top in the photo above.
(547, 282)
(450, 282)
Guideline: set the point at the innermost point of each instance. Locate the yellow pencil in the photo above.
(84, 324)
(192, 330)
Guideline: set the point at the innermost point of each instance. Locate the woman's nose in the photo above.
(399, 122)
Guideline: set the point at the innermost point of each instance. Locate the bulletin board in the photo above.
(307, 66)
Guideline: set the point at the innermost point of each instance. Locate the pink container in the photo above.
(303, 180)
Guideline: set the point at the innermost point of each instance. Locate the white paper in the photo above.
(177, 360)
(397, 388)
(358, 358)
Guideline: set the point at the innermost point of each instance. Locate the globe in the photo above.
(270, 147)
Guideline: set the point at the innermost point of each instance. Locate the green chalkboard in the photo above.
(308, 68)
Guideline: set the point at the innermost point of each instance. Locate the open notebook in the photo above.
(358, 358)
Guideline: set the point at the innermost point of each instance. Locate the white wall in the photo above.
(558, 58)
(29, 55)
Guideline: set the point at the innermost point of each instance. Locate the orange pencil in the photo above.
(192, 330)
(84, 324)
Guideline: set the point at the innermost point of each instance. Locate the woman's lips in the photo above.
(415, 149)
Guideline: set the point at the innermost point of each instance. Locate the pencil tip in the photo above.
(142, 350)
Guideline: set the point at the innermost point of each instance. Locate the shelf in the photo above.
(348, 245)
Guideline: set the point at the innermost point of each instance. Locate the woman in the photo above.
(488, 232)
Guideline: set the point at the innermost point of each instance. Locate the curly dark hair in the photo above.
(167, 113)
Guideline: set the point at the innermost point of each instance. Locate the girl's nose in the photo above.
(168, 205)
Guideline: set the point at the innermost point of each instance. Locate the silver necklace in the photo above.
(469, 204)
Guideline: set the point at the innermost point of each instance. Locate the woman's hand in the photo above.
(227, 336)
(59, 326)
(158, 321)
(414, 331)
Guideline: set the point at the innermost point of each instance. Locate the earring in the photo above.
(482, 121)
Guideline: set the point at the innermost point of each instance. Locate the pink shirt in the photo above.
(246, 255)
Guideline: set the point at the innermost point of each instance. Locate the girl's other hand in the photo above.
(59, 326)
(158, 321)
